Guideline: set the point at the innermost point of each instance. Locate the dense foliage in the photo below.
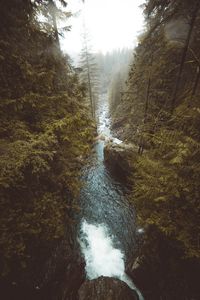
(45, 134)
(161, 114)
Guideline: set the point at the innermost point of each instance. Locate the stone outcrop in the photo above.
(120, 158)
(66, 272)
(105, 288)
(57, 278)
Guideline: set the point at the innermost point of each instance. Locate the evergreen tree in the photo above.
(44, 132)
(89, 73)
(164, 79)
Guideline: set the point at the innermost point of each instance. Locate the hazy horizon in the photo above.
(111, 25)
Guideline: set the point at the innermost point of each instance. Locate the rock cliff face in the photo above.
(120, 158)
(105, 288)
(65, 272)
(57, 278)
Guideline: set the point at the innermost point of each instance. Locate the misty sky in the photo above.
(112, 24)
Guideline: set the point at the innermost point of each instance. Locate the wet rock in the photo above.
(119, 122)
(120, 158)
(105, 288)
(58, 277)
(100, 137)
(66, 272)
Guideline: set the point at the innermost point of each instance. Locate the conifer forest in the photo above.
(100, 155)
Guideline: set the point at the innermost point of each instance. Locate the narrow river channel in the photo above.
(107, 222)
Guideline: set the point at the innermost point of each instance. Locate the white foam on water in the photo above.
(101, 257)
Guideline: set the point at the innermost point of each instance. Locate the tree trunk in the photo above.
(141, 144)
(196, 82)
(55, 27)
(183, 57)
(89, 83)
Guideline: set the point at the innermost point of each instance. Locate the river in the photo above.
(107, 222)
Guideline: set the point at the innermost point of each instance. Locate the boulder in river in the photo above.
(120, 158)
(106, 288)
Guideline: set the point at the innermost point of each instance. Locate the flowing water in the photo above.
(107, 222)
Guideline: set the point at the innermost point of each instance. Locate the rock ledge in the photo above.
(120, 158)
(105, 288)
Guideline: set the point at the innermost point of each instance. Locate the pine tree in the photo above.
(164, 78)
(89, 74)
(44, 130)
